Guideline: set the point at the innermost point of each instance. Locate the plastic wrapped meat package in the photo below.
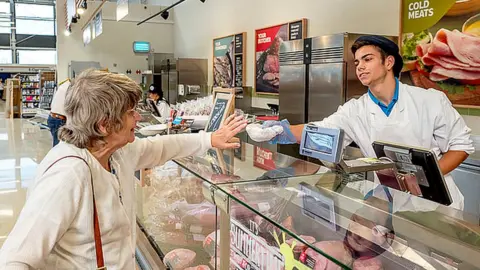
(176, 211)
(179, 259)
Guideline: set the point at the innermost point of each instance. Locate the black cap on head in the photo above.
(388, 46)
(154, 89)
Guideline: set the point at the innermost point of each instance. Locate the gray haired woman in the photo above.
(80, 213)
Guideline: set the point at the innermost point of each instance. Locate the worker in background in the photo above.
(156, 94)
(57, 117)
(395, 112)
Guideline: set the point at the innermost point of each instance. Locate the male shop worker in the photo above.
(57, 117)
(395, 112)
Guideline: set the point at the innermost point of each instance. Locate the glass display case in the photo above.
(253, 208)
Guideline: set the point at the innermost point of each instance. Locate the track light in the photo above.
(82, 8)
(68, 31)
(165, 15)
(203, 1)
(74, 19)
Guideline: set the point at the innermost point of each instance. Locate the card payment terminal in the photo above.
(322, 143)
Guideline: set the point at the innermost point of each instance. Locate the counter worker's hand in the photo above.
(286, 137)
(231, 127)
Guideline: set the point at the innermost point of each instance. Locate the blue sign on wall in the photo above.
(141, 47)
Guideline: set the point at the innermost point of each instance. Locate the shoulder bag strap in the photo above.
(96, 226)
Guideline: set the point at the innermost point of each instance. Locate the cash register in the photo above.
(410, 169)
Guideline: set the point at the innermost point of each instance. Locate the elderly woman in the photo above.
(85, 185)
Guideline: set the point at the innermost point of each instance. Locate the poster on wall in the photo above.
(267, 48)
(440, 43)
(229, 61)
(97, 25)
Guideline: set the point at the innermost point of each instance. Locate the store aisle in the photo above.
(22, 147)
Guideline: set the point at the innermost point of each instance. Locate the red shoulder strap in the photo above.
(96, 225)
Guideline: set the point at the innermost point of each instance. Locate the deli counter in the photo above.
(254, 208)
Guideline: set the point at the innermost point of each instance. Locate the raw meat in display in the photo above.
(299, 246)
(210, 243)
(368, 264)
(179, 238)
(179, 258)
(200, 267)
(205, 217)
(335, 249)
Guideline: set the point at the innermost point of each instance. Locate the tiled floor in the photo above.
(22, 147)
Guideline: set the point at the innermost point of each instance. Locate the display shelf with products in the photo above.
(285, 213)
(49, 86)
(31, 92)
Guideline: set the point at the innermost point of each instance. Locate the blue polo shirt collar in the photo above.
(387, 109)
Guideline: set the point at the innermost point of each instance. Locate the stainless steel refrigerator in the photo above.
(316, 76)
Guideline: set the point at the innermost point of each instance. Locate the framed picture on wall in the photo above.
(440, 45)
(229, 61)
(267, 49)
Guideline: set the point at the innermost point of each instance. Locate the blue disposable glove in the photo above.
(286, 137)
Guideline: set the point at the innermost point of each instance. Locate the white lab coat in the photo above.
(163, 109)
(58, 102)
(422, 118)
(56, 221)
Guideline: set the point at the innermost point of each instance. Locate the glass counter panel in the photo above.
(353, 223)
(247, 163)
(173, 212)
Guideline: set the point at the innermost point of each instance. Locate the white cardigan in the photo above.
(55, 227)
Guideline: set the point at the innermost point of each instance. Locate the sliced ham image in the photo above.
(335, 249)
(179, 258)
(454, 73)
(368, 264)
(464, 47)
(451, 54)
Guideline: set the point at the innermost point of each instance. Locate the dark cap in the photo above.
(388, 46)
(154, 89)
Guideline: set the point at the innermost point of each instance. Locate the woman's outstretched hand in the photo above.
(221, 138)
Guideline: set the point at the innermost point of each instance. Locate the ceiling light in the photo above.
(8, 191)
(74, 19)
(84, 4)
(80, 11)
(203, 1)
(165, 15)
(6, 212)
